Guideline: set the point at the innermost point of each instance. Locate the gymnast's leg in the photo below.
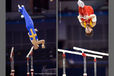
(41, 42)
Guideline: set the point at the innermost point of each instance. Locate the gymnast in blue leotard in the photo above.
(30, 27)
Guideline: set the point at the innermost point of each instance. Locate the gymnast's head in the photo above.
(89, 31)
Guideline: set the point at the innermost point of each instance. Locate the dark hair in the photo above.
(89, 34)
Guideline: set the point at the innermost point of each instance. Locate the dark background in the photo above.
(70, 33)
(43, 15)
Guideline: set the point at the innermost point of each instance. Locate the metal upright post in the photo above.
(30, 56)
(64, 67)
(12, 62)
(85, 68)
(28, 66)
(32, 69)
(95, 67)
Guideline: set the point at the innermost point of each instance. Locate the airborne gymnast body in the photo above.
(30, 27)
(86, 17)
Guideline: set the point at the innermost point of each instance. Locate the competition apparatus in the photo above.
(12, 62)
(30, 27)
(30, 68)
(84, 57)
(92, 52)
(30, 57)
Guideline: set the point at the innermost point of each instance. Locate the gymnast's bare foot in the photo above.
(43, 46)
